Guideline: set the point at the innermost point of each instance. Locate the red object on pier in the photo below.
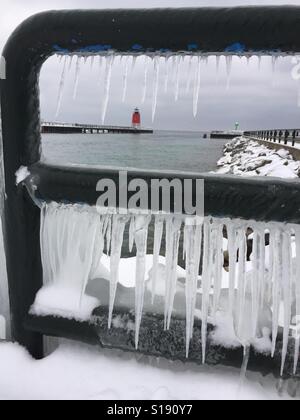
(136, 119)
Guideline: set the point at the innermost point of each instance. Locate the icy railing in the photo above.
(248, 285)
(4, 299)
(161, 70)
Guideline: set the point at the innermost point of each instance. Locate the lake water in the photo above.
(163, 150)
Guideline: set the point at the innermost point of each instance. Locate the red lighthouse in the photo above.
(136, 119)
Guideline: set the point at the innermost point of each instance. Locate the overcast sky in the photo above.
(256, 98)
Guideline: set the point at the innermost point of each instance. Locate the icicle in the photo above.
(140, 235)
(146, 69)
(68, 238)
(107, 82)
(90, 235)
(197, 88)
(189, 77)
(173, 68)
(261, 274)
(98, 249)
(271, 266)
(47, 274)
(193, 239)
(158, 232)
(100, 69)
(239, 321)
(70, 62)
(278, 238)
(228, 70)
(101, 61)
(125, 79)
(131, 233)
(287, 293)
(206, 283)
(133, 64)
(61, 87)
(92, 61)
(177, 79)
(218, 58)
(232, 252)
(105, 224)
(255, 285)
(77, 71)
(259, 62)
(108, 234)
(244, 367)
(274, 60)
(218, 263)
(118, 227)
(297, 285)
(173, 226)
(155, 86)
(167, 75)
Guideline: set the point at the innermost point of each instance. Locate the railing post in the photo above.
(286, 136)
(294, 137)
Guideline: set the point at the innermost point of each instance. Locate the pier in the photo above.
(286, 136)
(230, 135)
(66, 128)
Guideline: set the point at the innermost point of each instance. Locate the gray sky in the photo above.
(256, 98)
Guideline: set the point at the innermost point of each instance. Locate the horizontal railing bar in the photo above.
(154, 341)
(258, 198)
(231, 30)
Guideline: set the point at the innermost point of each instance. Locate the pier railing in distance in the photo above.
(287, 136)
(66, 128)
(235, 31)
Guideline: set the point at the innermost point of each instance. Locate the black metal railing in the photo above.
(287, 136)
(236, 31)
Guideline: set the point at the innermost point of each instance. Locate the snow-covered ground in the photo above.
(249, 158)
(76, 371)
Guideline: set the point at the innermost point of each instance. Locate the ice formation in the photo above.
(155, 86)
(118, 227)
(197, 83)
(167, 74)
(61, 86)
(76, 81)
(140, 231)
(107, 82)
(158, 234)
(228, 70)
(146, 70)
(250, 300)
(168, 68)
(125, 79)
